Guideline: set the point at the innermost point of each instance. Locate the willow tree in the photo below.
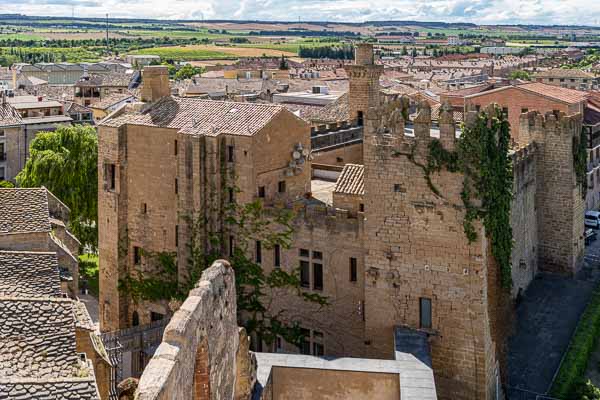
(66, 162)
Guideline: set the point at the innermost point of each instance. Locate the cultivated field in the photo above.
(207, 52)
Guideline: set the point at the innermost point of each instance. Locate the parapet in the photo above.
(535, 126)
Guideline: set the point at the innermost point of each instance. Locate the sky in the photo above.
(546, 12)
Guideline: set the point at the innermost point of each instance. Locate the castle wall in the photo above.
(350, 154)
(559, 200)
(416, 248)
(524, 219)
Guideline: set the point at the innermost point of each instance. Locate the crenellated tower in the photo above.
(364, 82)
(421, 271)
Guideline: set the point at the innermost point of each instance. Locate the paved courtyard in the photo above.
(546, 319)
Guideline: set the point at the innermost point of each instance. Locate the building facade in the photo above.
(386, 250)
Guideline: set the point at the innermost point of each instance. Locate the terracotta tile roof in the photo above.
(556, 92)
(337, 111)
(202, 117)
(111, 100)
(9, 116)
(351, 180)
(110, 79)
(458, 116)
(24, 210)
(29, 274)
(77, 388)
(564, 73)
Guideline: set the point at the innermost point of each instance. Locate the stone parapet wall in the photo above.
(199, 353)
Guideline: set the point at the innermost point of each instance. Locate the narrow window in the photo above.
(277, 255)
(397, 187)
(135, 319)
(279, 345)
(305, 346)
(230, 153)
(425, 313)
(304, 253)
(353, 270)
(317, 255)
(304, 274)
(144, 208)
(154, 316)
(176, 186)
(361, 207)
(317, 276)
(175, 147)
(110, 176)
(261, 191)
(505, 111)
(281, 187)
(231, 246)
(137, 255)
(176, 235)
(360, 118)
(231, 195)
(258, 252)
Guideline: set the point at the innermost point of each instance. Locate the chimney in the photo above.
(155, 83)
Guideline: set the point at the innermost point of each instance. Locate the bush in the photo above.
(583, 343)
(88, 271)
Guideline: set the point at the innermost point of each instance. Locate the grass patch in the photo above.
(61, 54)
(88, 271)
(183, 53)
(572, 370)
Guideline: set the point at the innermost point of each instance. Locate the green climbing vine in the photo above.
(481, 155)
(580, 161)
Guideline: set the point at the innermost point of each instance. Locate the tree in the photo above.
(188, 71)
(66, 162)
(254, 287)
(520, 74)
(283, 64)
(6, 184)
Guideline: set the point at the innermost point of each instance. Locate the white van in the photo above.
(592, 219)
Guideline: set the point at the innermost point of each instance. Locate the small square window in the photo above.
(261, 192)
(304, 253)
(524, 110)
(361, 207)
(397, 188)
(258, 252)
(277, 255)
(281, 187)
(317, 255)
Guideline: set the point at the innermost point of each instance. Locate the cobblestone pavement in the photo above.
(546, 318)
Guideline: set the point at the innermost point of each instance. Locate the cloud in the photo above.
(476, 11)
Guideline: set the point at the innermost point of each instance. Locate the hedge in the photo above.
(583, 343)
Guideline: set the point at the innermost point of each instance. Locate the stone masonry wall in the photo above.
(416, 248)
(198, 352)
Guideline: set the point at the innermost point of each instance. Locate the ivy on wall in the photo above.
(481, 155)
(580, 161)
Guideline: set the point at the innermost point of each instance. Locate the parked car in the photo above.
(592, 219)
(590, 236)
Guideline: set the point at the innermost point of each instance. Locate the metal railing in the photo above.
(513, 393)
(330, 140)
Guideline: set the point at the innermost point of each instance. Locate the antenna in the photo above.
(107, 43)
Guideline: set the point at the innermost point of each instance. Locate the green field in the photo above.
(60, 54)
(181, 53)
(19, 36)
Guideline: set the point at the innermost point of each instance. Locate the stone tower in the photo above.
(418, 257)
(559, 199)
(364, 82)
(155, 83)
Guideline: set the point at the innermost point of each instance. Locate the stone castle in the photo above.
(387, 251)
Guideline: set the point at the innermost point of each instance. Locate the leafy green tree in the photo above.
(520, 74)
(283, 64)
(6, 184)
(66, 162)
(255, 288)
(188, 71)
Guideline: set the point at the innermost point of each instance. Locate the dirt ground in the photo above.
(242, 51)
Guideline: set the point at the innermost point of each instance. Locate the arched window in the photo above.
(135, 319)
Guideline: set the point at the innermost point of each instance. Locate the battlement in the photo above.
(328, 217)
(535, 126)
(388, 126)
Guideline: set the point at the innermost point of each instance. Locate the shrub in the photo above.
(583, 343)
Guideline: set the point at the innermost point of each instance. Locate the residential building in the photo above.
(139, 61)
(91, 89)
(109, 104)
(78, 113)
(575, 79)
(64, 73)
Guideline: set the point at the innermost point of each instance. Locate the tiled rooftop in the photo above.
(37, 338)
(202, 117)
(564, 73)
(79, 388)
(556, 92)
(351, 180)
(24, 210)
(29, 274)
(9, 116)
(337, 111)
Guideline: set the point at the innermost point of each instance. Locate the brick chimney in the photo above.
(155, 83)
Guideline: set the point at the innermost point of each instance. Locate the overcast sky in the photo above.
(585, 12)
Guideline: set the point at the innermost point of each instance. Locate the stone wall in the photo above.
(197, 358)
(342, 155)
(416, 249)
